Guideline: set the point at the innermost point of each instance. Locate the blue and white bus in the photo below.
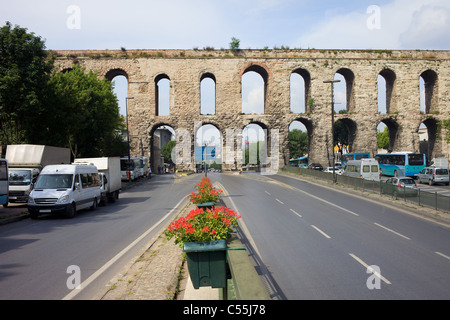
(299, 162)
(4, 185)
(354, 156)
(401, 163)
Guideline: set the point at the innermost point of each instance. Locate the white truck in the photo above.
(439, 162)
(25, 162)
(109, 173)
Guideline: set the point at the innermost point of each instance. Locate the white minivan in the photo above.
(368, 169)
(65, 188)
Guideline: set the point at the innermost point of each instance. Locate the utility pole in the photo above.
(206, 159)
(332, 123)
(128, 138)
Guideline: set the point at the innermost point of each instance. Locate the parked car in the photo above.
(401, 186)
(434, 175)
(315, 166)
(337, 170)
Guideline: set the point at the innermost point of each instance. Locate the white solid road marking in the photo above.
(369, 268)
(96, 274)
(317, 198)
(323, 233)
(442, 255)
(399, 234)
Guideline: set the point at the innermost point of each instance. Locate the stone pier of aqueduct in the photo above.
(186, 68)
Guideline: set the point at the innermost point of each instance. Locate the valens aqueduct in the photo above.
(187, 68)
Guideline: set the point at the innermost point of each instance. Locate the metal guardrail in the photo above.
(244, 282)
(420, 197)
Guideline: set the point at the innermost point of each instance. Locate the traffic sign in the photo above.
(200, 153)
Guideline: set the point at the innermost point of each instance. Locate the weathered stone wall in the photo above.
(185, 69)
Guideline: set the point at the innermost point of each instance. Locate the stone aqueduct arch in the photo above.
(360, 68)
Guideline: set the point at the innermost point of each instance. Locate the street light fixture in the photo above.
(332, 122)
(128, 137)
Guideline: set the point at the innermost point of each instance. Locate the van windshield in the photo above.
(19, 177)
(54, 181)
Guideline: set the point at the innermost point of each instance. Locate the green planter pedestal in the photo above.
(205, 205)
(206, 263)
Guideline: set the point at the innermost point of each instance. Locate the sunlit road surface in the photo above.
(317, 243)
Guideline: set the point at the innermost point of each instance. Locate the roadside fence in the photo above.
(423, 198)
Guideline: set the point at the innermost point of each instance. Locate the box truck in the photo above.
(109, 172)
(25, 162)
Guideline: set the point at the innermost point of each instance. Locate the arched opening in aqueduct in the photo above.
(410, 94)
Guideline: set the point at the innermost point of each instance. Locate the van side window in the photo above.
(90, 180)
(95, 180)
(84, 180)
(77, 180)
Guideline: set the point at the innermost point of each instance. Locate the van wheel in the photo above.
(70, 211)
(94, 204)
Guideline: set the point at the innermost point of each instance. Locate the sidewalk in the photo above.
(158, 274)
(14, 212)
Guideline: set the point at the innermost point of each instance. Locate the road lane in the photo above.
(35, 254)
(307, 264)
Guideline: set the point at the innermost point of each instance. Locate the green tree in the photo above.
(383, 139)
(253, 151)
(234, 44)
(298, 143)
(82, 113)
(443, 130)
(25, 67)
(166, 151)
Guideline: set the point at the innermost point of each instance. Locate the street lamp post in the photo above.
(128, 137)
(332, 122)
(206, 159)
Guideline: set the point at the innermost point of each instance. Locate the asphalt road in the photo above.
(317, 243)
(35, 254)
(310, 242)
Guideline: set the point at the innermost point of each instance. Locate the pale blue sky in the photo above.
(181, 24)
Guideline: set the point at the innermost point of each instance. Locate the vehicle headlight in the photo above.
(30, 200)
(63, 199)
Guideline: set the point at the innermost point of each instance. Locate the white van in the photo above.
(368, 169)
(65, 188)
